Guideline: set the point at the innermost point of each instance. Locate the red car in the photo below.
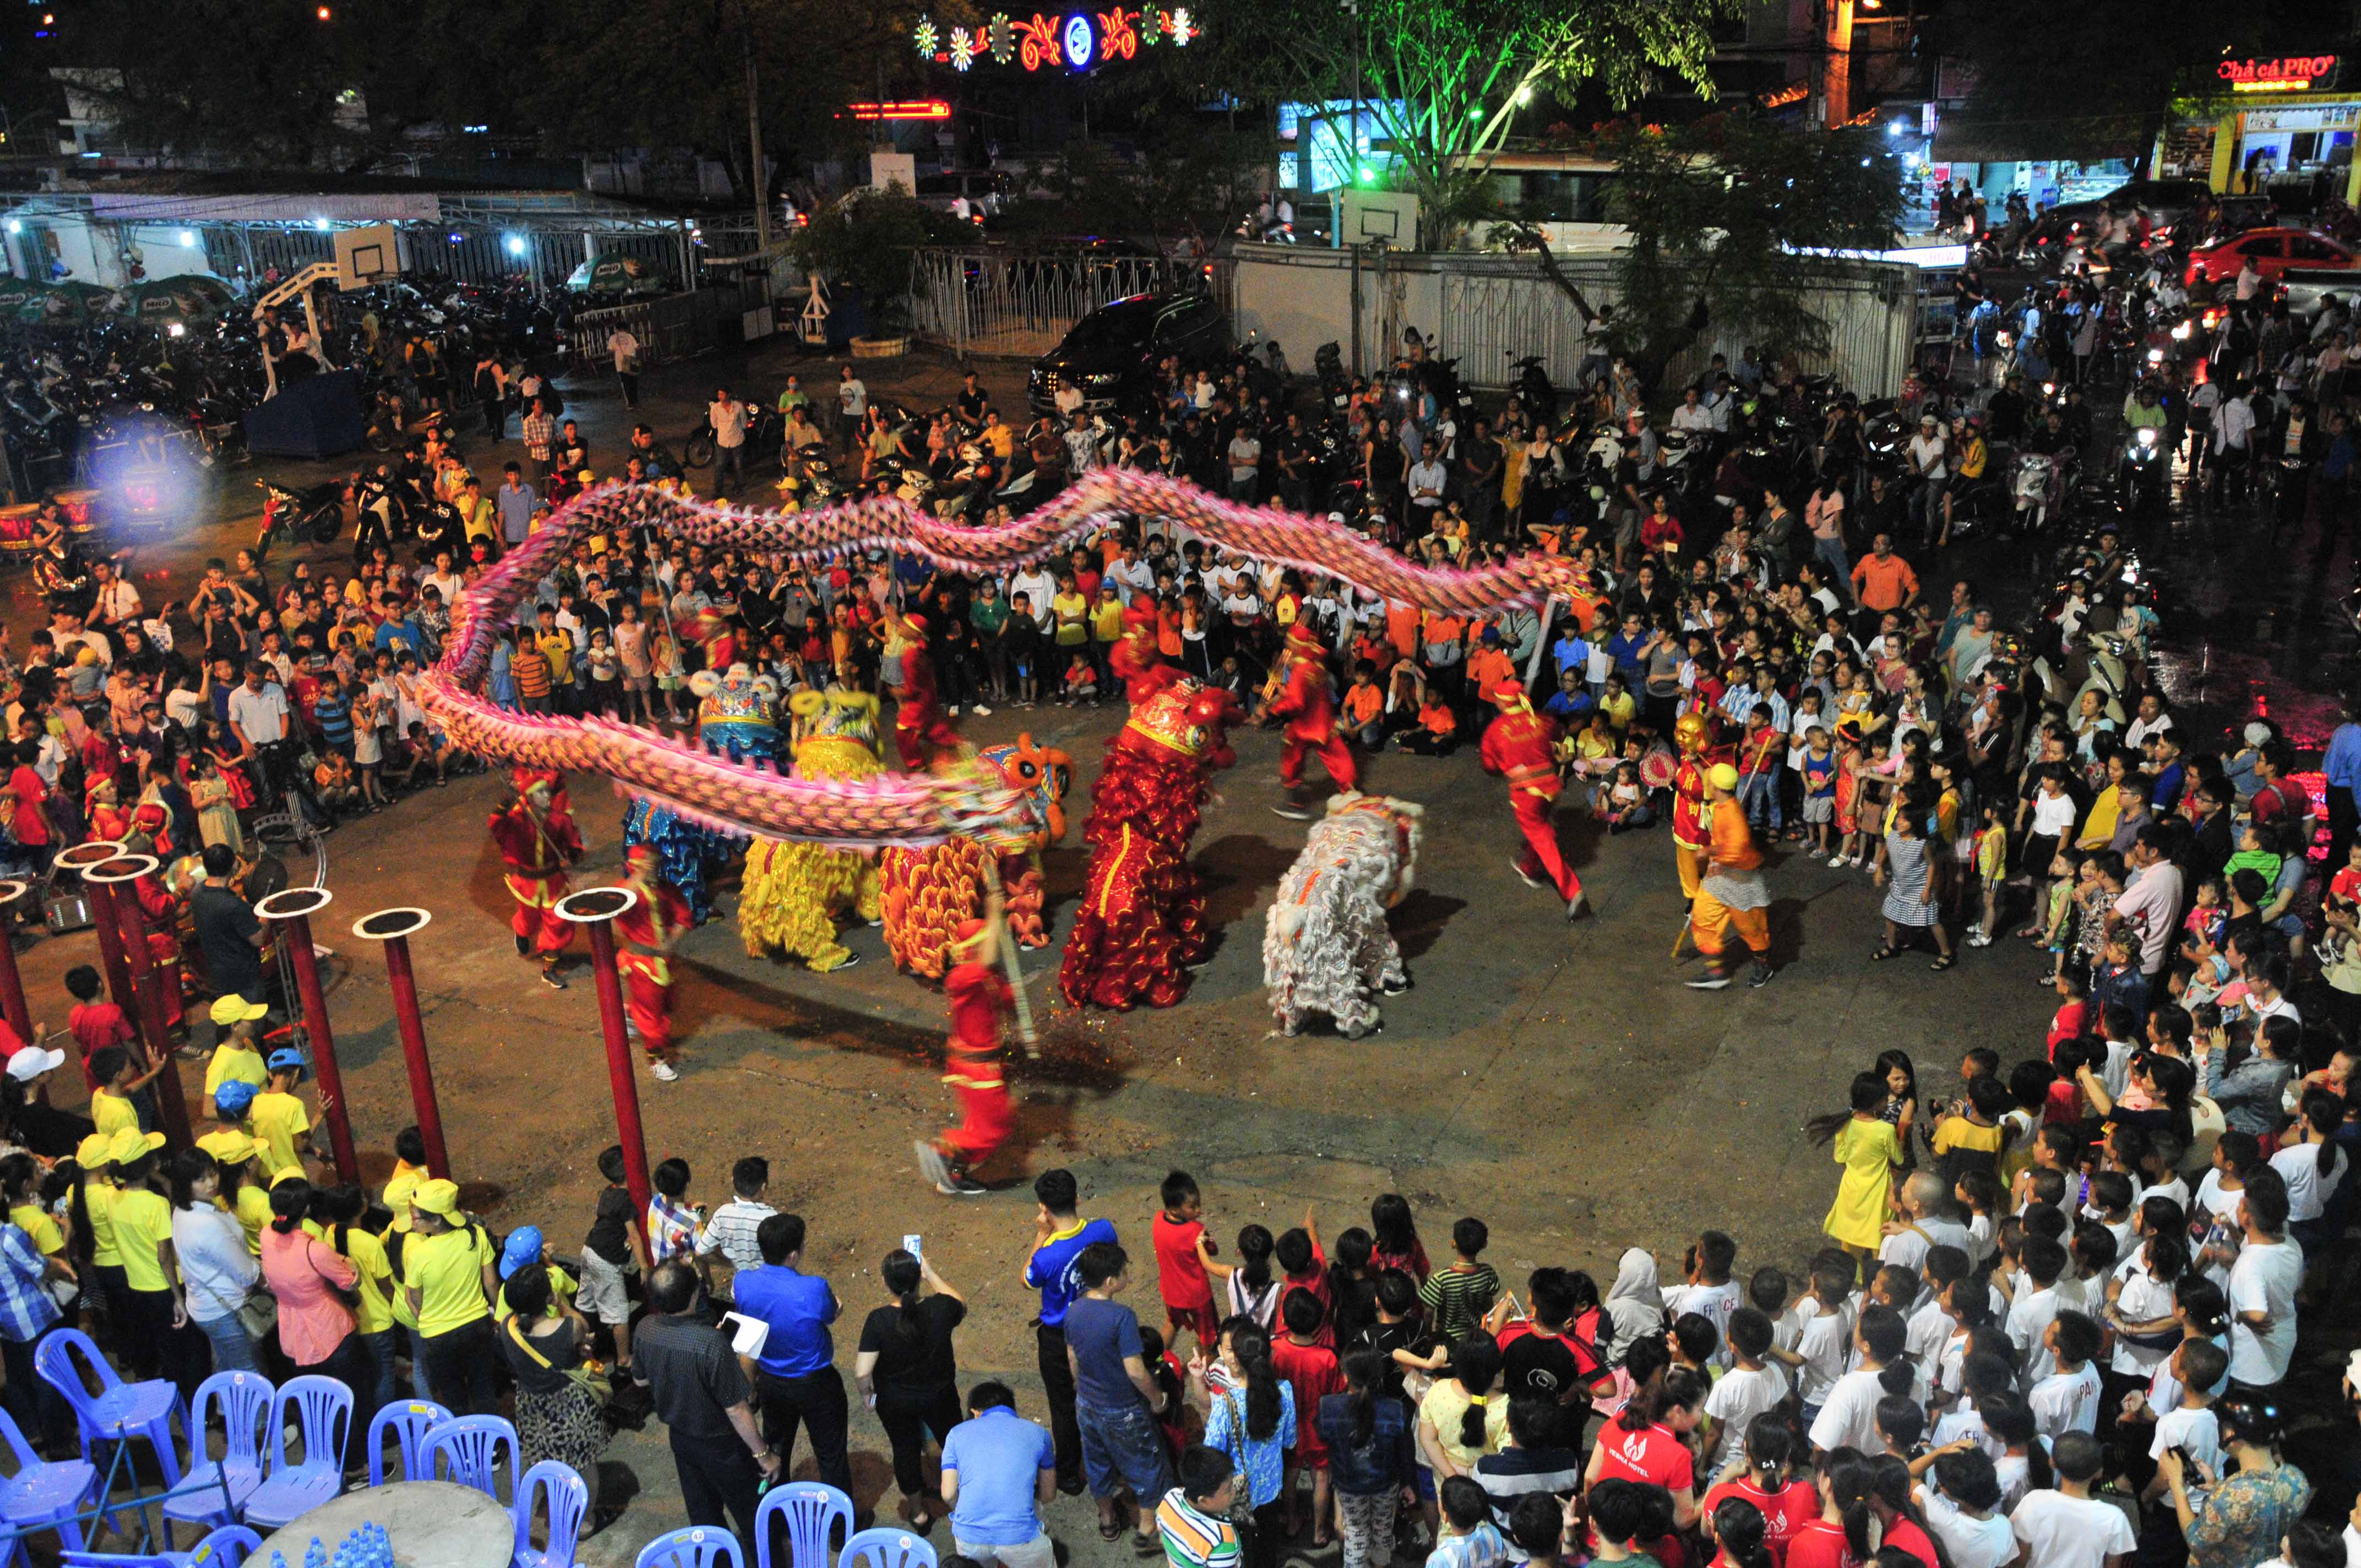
(2274, 250)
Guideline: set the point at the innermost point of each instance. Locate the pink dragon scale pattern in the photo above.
(892, 808)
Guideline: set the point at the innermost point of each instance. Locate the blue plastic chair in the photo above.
(472, 1446)
(41, 1495)
(323, 1411)
(225, 1548)
(812, 1513)
(888, 1548)
(700, 1546)
(410, 1421)
(118, 1411)
(568, 1499)
(242, 1399)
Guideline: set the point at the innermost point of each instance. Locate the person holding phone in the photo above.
(907, 1371)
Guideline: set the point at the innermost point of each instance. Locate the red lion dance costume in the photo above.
(1142, 921)
(1305, 703)
(537, 842)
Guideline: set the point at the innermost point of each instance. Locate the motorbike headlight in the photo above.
(2001, 339)
(2147, 435)
(2047, 388)
(2156, 355)
(2182, 332)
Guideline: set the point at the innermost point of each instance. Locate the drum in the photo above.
(81, 509)
(16, 527)
(1658, 766)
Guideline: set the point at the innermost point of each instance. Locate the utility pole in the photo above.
(754, 139)
(1353, 176)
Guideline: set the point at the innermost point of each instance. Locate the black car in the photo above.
(1111, 353)
(2166, 201)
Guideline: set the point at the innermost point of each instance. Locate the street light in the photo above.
(516, 245)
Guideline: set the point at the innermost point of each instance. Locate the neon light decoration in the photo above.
(1075, 42)
(2295, 73)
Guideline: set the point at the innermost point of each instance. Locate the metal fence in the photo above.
(1490, 318)
(679, 327)
(471, 255)
(1019, 304)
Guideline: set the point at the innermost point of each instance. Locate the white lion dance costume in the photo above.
(793, 893)
(1325, 946)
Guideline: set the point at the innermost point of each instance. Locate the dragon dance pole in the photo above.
(12, 984)
(292, 909)
(594, 909)
(393, 927)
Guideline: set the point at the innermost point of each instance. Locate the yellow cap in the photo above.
(1721, 775)
(95, 1151)
(235, 1009)
(131, 1143)
(229, 1149)
(436, 1197)
(287, 1173)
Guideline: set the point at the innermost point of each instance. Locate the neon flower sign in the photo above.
(1074, 41)
(2293, 73)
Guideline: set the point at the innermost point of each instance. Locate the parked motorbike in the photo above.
(316, 513)
(1336, 386)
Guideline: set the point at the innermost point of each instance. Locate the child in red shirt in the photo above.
(1180, 1278)
(1304, 1356)
(96, 1023)
(1298, 1254)
(2073, 1016)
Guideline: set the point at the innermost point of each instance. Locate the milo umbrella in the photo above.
(15, 291)
(165, 301)
(70, 303)
(615, 273)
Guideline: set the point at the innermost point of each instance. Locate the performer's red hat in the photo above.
(1140, 613)
(1508, 691)
(917, 623)
(1302, 639)
(640, 855)
(967, 932)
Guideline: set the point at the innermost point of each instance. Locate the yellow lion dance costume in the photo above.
(793, 894)
(929, 892)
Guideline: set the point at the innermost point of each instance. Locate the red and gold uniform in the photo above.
(981, 999)
(921, 733)
(1311, 713)
(1731, 918)
(536, 845)
(1521, 747)
(1137, 659)
(644, 935)
(107, 820)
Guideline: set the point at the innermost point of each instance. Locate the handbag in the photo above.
(601, 1387)
(1241, 1497)
(257, 1314)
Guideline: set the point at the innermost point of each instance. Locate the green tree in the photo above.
(272, 84)
(1717, 212)
(1188, 188)
(1448, 79)
(869, 240)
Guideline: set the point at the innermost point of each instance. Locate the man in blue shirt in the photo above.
(1059, 1234)
(2342, 770)
(999, 1471)
(795, 1379)
(516, 502)
(1116, 1401)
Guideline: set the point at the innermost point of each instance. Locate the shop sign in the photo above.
(2290, 74)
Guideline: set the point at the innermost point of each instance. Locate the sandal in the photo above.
(1883, 954)
(1946, 962)
(1109, 1529)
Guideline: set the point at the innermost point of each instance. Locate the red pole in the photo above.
(109, 926)
(405, 983)
(298, 906)
(12, 985)
(116, 877)
(594, 909)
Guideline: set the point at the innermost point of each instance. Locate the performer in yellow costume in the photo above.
(793, 894)
(1731, 915)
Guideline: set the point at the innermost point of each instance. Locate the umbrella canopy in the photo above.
(60, 303)
(15, 291)
(168, 299)
(615, 273)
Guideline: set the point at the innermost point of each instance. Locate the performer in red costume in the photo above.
(981, 1001)
(160, 911)
(921, 733)
(536, 844)
(1522, 746)
(644, 935)
(1136, 660)
(1142, 920)
(1310, 709)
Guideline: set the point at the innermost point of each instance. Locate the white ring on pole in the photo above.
(360, 927)
(135, 867)
(631, 899)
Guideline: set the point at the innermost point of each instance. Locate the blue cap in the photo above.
(523, 1247)
(287, 1057)
(234, 1097)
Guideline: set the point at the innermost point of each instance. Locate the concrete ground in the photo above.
(1555, 1079)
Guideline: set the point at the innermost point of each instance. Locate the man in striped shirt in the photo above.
(27, 1311)
(1194, 1518)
